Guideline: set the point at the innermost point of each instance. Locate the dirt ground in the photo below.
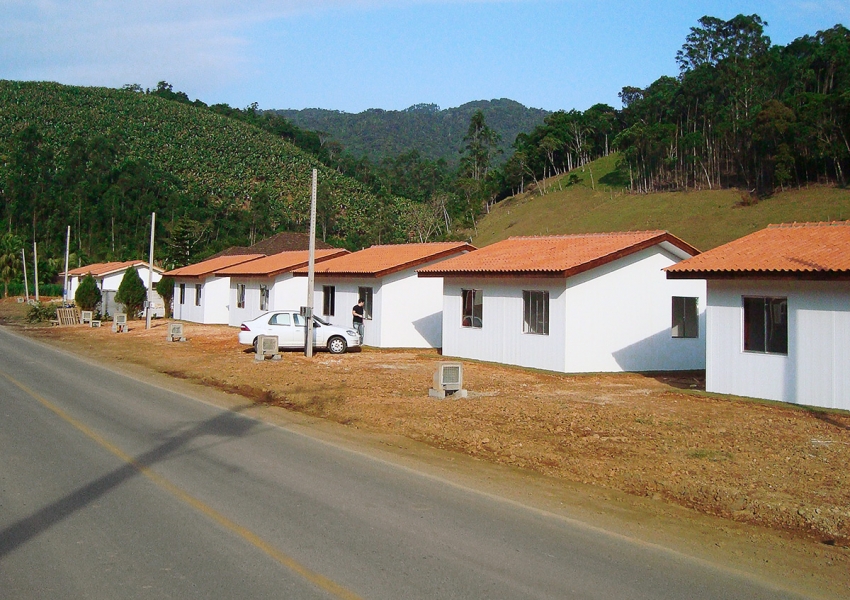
(662, 437)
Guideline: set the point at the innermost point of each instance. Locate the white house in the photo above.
(108, 277)
(268, 283)
(401, 309)
(779, 314)
(200, 296)
(574, 303)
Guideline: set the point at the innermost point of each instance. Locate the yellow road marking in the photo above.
(249, 536)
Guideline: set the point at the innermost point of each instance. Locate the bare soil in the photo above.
(773, 467)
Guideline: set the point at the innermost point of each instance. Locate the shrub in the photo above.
(88, 295)
(131, 293)
(165, 288)
(41, 311)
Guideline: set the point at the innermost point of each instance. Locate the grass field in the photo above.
(705, 219)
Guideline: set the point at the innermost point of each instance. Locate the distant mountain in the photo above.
(433, 132)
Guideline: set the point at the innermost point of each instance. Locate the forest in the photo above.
(741, 113)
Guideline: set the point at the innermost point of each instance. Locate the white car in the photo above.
(289, 327)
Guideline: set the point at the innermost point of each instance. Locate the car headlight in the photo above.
(351, 332)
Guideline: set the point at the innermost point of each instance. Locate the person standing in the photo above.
(357, 317)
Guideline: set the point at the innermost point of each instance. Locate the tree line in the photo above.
(741, 112)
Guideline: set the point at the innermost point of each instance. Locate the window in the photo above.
(280, 319)
(766, 325)
(299, 320)
(535, 312)
(473, 307)
(365, 294)
(197, 294)
(264, 297)
(240, 295)
(182, 293)
(328, 300)
(685, 318)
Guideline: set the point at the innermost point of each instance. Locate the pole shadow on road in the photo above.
(229, 424)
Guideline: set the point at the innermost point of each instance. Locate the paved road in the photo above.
(113, 488)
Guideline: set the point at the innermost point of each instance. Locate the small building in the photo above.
(200, 296)
(268, 283)
(108, 277)
(401, 309)
(574, 303)
(778, 318)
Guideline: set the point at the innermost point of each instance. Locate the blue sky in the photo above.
(352, 55)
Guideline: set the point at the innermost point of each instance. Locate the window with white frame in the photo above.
(197, 294)
(264, 297)
(182, 293)
(535, 312)
(240, 295)
(365, 294)
(765, 324)
(685, 318)
(328, 300)
(472, 310)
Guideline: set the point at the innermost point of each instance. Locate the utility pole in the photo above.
(65, 285)
(26, 283)
(35, 264)
(150, 277)
(311, 269)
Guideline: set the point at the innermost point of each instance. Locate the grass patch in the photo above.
(706, 218)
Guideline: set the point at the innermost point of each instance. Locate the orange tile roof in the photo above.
(796, 250)
(282, 262)
(379, 261)
(101, 269)
(554, 256)
(210, 266)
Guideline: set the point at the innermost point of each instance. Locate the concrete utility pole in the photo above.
(65, 285)
(35, 264)
(311, 268)
(26, 283)
(150, 276)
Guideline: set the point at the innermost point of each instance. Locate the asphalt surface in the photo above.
(115, 488)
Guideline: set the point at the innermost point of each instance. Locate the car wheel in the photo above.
(255, 345)
(337, 345)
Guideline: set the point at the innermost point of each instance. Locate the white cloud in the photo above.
(201, 44)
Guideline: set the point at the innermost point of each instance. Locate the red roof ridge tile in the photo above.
(809, 224)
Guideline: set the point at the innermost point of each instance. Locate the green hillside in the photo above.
(434, 133)
(222, 168)
(704, 218)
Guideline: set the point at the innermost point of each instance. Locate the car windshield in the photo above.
(320, 321)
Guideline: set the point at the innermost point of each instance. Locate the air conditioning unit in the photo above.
(175, 332)
(267, 345)
(448, 381)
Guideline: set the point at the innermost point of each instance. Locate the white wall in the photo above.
(346, 296)
(814, 372)
(406, 309)
(617, 317)
(215, 300)
(500, 338)
(290, 292)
